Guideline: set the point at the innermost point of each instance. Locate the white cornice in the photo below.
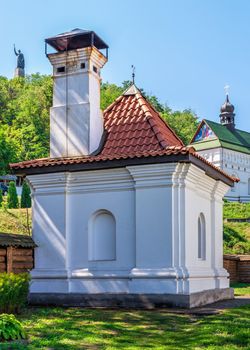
(219, 191)
(99, 181)
(132, 177)
(44, 183)
(153, 175)
(201, 182)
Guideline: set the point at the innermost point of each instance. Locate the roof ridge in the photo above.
(150, 119)
(236, 129)
(161, 119)
(147, 107)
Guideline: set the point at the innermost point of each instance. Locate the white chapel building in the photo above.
(123, 213)
(228, 148)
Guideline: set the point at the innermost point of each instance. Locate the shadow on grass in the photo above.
(231, 236)
(75, 328)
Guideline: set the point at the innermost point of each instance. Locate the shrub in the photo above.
(10, 328)
(241, 248)
(13, 291)
(12, 199)
(25, 197)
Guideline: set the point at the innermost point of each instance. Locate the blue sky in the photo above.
(185, 51)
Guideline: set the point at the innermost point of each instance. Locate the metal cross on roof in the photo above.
(226, 88)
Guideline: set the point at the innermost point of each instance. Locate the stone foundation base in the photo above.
(19, 72)
(121, 300)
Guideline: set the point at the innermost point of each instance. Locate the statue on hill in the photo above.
(19, 71)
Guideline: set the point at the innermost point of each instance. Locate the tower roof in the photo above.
(134, 133)
(227, 107)
(227, 114)
(76, 39)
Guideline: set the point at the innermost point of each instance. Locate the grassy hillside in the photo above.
(236, 210)
(14, 220)
(236, 234)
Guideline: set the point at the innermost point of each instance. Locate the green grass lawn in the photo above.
(78, 328)
(241, 289)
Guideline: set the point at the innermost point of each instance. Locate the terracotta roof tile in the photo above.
(133, 126)
(134, 129)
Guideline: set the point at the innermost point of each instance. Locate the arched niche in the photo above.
(102, 236)
(201, 237)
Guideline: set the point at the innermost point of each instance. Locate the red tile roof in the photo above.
(45, 162)
(134, 129)
(133, 126)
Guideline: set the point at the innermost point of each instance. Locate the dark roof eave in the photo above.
(210, 171)
(118, 163)
(16, 240)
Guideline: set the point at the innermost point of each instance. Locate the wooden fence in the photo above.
(16, 253)
(238, 267)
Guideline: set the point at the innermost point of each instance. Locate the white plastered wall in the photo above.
(76, 121)
(233, 163)
(204, 196)
(156, 209)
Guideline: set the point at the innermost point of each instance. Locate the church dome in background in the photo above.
(227, 107)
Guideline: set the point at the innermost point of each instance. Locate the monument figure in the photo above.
(19, 71)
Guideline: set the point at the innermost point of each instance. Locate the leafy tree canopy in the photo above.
(24, 116)
(184, 123)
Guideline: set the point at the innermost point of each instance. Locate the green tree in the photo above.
(24, 116)
(109, 92)
(12, 199)
(25, 196)
(7, 151)
(184, 123)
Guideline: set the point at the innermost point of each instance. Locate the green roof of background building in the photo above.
(237, 140)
